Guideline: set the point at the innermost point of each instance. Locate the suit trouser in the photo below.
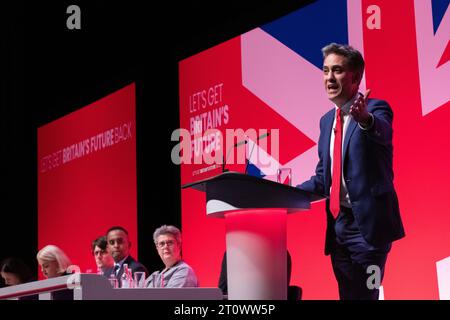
(350, 270)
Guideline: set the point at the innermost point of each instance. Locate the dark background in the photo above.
(48, 71)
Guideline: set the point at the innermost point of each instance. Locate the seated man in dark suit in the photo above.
(119, 246)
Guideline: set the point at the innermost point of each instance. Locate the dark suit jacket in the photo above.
(134, 265)
(367, 168)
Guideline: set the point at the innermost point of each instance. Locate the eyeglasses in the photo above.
(161, 244)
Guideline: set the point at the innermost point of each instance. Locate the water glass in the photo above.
(139, 279)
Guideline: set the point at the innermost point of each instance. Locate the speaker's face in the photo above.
(341, 83)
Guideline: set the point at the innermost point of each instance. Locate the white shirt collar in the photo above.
(120, 263)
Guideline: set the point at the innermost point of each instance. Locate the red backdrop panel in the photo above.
(87, 176)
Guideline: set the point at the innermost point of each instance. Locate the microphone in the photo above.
(264, 135)
(237, 144)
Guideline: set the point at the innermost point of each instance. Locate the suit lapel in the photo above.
(329, 118)
(351, 128)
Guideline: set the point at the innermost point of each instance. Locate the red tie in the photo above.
(337, 159)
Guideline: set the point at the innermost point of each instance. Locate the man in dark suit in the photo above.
(119, 246)
(355, 174)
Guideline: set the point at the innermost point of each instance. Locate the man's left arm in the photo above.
(380, 131)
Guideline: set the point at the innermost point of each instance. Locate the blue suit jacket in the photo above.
(367, 168)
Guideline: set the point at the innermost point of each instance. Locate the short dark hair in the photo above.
(99, 242)
(355, 59)
(17, 267)
(117, 228)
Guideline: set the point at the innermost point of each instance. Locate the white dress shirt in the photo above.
(344, 197)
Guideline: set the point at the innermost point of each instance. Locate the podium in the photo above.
(255, 212)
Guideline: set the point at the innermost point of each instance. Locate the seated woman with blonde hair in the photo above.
(55, 263)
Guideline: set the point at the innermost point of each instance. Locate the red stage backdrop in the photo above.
(271, 78)
(87, 176)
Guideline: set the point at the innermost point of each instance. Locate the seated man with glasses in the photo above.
(103, 258)
(177, 273)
